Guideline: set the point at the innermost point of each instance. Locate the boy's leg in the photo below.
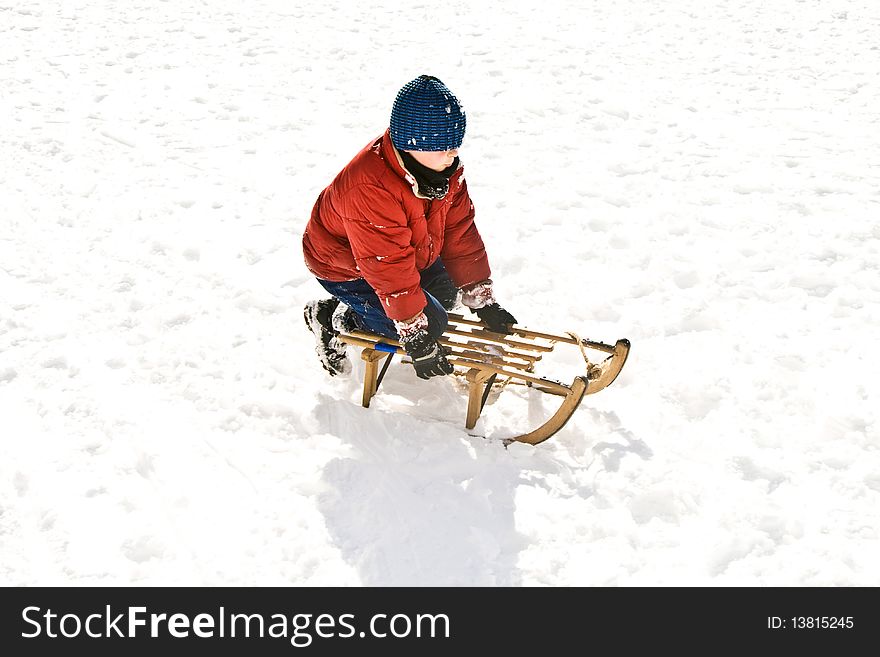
(369, 314)
(436, 282)
(364, 306)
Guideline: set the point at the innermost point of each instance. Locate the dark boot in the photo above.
(345, 320)
(318, 316)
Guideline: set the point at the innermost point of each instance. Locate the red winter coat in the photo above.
(370, 223)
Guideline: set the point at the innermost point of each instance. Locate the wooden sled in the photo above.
(482, 356)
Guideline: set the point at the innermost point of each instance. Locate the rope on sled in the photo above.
(593, 370)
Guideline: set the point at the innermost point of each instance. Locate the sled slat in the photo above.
(479, 357)
(528, 333)
(450, 343)
(554, 385)
(500, 338)
(363, 342)
(494, 349)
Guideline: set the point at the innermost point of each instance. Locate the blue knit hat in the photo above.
(427, 117)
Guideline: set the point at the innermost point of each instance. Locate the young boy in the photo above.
(393, 237)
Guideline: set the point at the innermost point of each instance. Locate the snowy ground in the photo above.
(701, 178)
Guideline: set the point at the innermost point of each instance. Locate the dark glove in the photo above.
(428, 356)
(495, 318)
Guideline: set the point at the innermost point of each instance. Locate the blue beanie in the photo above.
(427, 117)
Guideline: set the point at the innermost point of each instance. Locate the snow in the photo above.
(701, 178)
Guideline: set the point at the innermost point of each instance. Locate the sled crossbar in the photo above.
(484, 357)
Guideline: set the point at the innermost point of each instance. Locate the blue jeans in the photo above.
(370, 316)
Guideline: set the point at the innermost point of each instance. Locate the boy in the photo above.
(393, 237)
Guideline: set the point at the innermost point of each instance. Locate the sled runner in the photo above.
(482, 357)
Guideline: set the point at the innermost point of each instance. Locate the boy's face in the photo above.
(435, 160)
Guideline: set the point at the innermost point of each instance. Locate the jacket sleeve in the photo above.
(463, 251)
(381, 241)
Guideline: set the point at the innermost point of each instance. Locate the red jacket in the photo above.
(370, 223)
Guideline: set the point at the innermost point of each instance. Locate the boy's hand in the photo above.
(428, 356)
(480, 298)
(495, 318)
